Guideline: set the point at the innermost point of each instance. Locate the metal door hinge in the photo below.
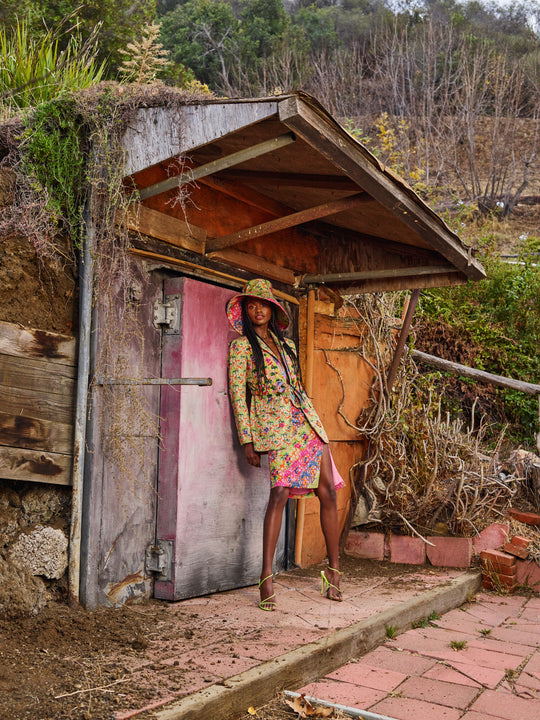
(167, 315)
(158, 559)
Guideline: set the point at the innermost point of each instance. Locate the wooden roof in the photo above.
(278, 188)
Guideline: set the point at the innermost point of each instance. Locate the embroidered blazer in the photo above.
(267, 421)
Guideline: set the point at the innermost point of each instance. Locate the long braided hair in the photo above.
(252, 336)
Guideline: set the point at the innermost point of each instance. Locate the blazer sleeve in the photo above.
(238, 359)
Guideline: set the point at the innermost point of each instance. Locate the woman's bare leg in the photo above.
(326, 492)
(272, 526)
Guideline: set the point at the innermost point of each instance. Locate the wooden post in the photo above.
(402, 339)
(310, 348)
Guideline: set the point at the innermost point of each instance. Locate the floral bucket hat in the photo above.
(257, 288)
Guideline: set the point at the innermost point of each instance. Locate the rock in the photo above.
(20, 593)
(43, 551)
(41, 504)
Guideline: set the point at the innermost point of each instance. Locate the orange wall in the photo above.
(341, 379)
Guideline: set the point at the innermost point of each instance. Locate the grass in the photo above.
(391, 631)
(458, 644)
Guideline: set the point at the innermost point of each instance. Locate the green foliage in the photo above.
(391, 631)
(202, 37)
(54, 160)
(458, 644)
(34, 69)
(502, 316)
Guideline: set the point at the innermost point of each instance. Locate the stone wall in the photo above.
(34, 532)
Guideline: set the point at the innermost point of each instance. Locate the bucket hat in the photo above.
(258, 288)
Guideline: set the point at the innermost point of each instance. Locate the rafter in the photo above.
(216, 165)
(287, 221)
(377, 274)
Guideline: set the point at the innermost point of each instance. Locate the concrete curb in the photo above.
(310, 662)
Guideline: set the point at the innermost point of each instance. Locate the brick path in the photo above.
(478, 662)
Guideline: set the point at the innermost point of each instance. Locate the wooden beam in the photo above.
(256, 264)
(140, 218)
(36, 344)
(42, 405)
(37, 375)
(201, 270)
(284, 179)
(287, 221)
(377, 274)
(214, 166)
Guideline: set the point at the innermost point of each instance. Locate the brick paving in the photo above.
(425, 674)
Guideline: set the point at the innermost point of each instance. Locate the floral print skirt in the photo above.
(297, 465)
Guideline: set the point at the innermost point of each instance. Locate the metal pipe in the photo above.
(86, 279)
(352, 712)
(402, 340)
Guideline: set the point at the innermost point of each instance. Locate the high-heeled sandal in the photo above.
(267, 604)
(326, 585)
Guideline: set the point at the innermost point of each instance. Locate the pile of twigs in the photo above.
(425, 471)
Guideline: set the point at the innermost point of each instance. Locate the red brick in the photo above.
(366, 545)
(506, 705)
(528, 573)
(521, 541)
(529, 518)
(407, 550)
(488, 570)
(449, 551)
(502, 582)
(491, 538)
(516, 550)
(497, 558)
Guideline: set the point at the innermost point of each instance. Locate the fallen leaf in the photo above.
(252, 711)
(305, 709)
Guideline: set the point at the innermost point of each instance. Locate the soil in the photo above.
(72, 664)
(35, 293)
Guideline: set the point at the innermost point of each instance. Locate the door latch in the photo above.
(167, 315)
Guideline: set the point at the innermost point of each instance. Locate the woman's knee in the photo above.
(327, 494)
(278, 497)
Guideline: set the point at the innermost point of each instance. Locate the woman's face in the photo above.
(259, 311)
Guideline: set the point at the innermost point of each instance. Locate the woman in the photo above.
(279, 419)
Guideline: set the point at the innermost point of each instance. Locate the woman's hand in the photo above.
(252, 457)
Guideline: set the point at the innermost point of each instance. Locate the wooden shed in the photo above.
(229, 190)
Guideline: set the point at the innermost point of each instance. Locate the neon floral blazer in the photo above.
(267, 423)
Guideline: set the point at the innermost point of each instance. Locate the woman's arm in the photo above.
(238, 358)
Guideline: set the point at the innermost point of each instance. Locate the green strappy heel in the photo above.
(326, 585)
(267, 604)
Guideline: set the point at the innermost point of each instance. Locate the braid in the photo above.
(251, 335)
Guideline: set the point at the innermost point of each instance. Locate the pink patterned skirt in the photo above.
(298, 465)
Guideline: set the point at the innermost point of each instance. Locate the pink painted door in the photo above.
(211, 503)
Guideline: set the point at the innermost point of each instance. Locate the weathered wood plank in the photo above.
(21, 431)
(18, 464)
(287, 221)
(36, 344)
(214, 166)
(289, 179)
(247, 195)
(35, 375)
(164, 227)
(156, 134)
(41, 406)
(256, 264)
